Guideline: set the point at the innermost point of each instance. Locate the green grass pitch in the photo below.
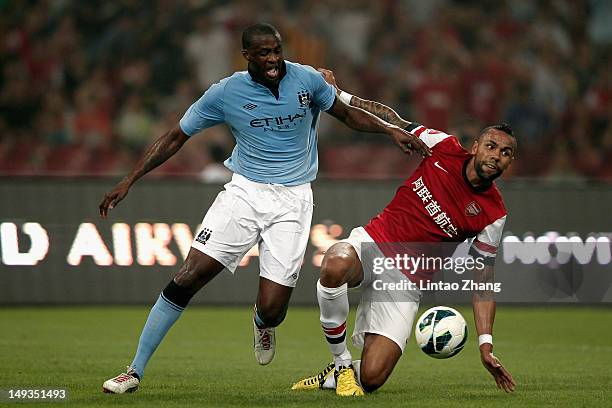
(559, 355)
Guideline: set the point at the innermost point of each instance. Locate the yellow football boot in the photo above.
(316, 381)
(346, 382)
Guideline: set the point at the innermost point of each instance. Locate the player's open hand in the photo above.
(409, 143)
(502, 377)
(328, 75)
(112, 198)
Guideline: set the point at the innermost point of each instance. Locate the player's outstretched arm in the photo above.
(160, 151)
(378, 109)
(359, 119)
(364, 121)
(483, 304)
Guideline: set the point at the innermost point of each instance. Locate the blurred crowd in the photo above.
(86, 86)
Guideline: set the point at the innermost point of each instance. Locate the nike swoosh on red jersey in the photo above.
(437, 164)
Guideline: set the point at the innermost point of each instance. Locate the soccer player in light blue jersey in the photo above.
(272, 110)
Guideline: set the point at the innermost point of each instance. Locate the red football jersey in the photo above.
(437, 203)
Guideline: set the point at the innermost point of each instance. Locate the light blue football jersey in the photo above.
(276, 139)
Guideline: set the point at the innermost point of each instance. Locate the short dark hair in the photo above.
(504, 127)
(257, 29)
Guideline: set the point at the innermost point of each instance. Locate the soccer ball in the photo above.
(441, 332)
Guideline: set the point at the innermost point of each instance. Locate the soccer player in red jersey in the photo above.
(450, 197)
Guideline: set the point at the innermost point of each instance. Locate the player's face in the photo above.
(265, 56)
(493, 153)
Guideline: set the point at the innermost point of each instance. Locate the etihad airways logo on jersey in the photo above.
(279, 122)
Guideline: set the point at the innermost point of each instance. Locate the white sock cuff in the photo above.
(331, 293)
(344, 360)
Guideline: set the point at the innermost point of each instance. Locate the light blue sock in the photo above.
(162, 316)
(258, 320)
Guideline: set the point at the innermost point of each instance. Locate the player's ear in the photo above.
(245, 54)
(474, 147)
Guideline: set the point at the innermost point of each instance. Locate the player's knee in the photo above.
(187, 281)
(371, 386)
(371, 383)
(335, 267)
(196, 271)
(372, 377)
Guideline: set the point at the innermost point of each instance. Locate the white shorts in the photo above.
(274, 216)
(389, 314)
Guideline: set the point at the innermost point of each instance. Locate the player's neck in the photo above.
(272, 87)
(470, 176)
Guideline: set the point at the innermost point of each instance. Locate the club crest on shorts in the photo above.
(472, 209)
(204, 236)
(304, 98)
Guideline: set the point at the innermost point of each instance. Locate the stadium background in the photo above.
(85, 86)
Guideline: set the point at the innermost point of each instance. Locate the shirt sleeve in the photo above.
(487, 241)
(324, 94)
(431, 137)
(205, 112)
